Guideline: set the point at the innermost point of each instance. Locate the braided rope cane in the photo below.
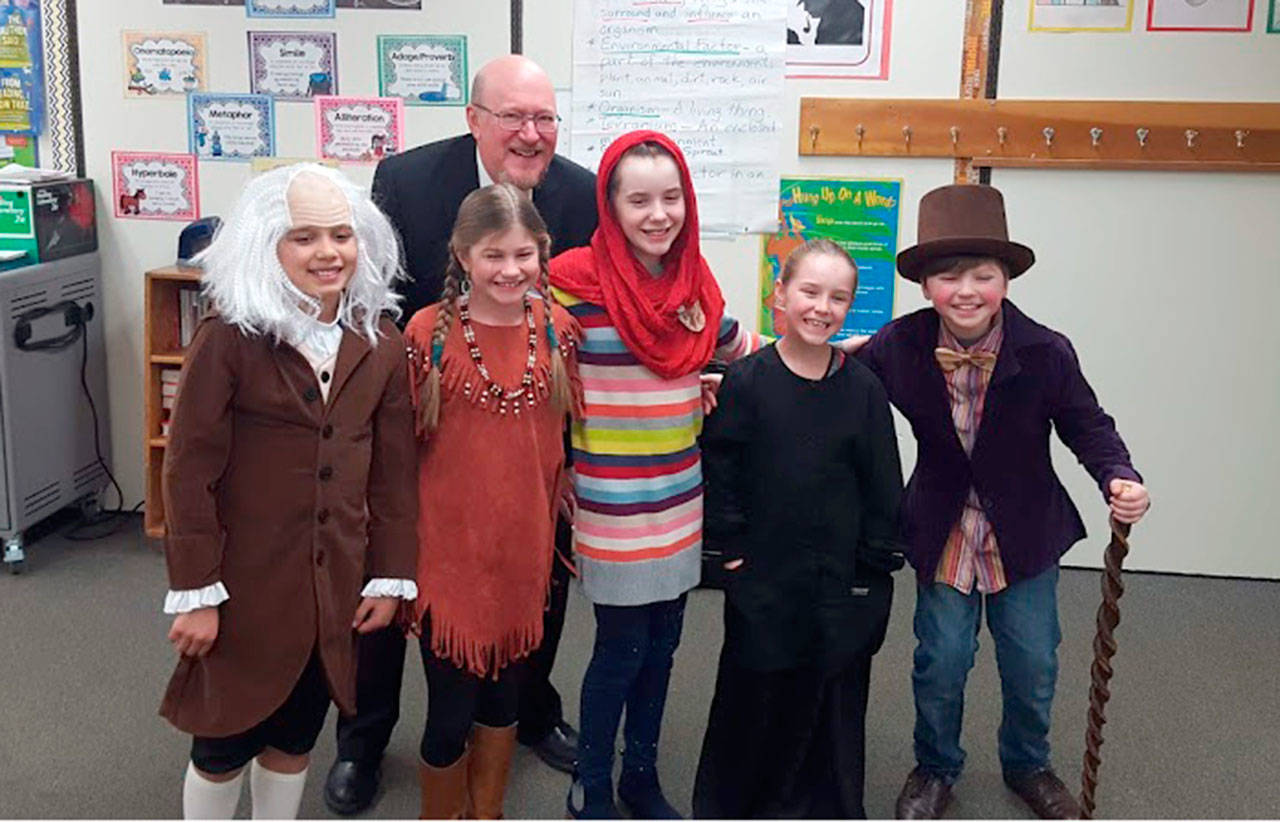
(1104, 647)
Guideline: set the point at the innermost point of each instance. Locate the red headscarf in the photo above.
(642, 306)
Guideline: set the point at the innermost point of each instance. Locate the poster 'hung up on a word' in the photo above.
(21, 68)
(708, 74)
(861, 216)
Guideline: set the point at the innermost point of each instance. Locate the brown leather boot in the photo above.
(924, 796)
(491, 752)
(1044, 793)
(444, 790)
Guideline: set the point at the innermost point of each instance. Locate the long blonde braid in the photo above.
(429, 395)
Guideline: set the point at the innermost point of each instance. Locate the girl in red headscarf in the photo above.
(652, 317)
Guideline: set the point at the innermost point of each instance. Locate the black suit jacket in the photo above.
(421, 189)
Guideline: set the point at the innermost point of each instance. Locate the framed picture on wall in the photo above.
(838, 39)
(150, 185)
(1200, 15)
(293, 65)
(1081, 15)
(359, 129)
(164, 63)
(230, 126)
(423, 69)
(289, 8)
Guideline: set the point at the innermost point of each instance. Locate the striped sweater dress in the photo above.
(637, 467)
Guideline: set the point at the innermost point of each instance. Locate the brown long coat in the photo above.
(290, 502)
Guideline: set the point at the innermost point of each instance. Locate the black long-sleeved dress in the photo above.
(803, 483)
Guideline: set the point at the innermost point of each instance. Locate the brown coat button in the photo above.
(327, 431)
(320, 558)
(326, 472)
(311, 394)
(323, 516)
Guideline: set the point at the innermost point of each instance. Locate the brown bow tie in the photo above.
(949, 359)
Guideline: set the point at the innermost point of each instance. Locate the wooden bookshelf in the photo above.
(163, 350)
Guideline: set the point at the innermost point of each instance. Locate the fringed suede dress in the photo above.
(488, 487)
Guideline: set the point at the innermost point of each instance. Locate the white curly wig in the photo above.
(248, 286)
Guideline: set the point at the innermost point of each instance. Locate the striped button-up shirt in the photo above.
(971, 556)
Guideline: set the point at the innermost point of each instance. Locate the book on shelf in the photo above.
(192, 304)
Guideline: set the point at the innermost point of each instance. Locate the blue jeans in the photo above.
(1023, 620)
(631, 666)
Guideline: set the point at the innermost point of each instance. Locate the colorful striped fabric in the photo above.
(637, 467)
(971, 556)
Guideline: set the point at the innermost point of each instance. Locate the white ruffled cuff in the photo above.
(385, 587)
(181, 602)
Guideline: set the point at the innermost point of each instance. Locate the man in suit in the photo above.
(512, 126)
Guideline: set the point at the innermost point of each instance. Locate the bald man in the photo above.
(513, 127)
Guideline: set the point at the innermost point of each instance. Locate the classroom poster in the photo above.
(148, 185)
(1081, 15)
(342, 4)
(423, 69)
(21, 67)
(709, 75)
(838, 39)
(289, 8)
(230, 126)
(1200, 15)
(859, 215)
(293, 65)
(359, 129)
(164, 63)
(20, 149)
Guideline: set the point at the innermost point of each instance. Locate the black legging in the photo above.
(457, 699)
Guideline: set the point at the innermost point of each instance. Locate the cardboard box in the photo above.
(46, 221)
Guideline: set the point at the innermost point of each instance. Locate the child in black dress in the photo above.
(803, 485)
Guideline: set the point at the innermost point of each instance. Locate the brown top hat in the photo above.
(963, 219)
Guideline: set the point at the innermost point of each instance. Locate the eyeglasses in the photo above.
(514, 120)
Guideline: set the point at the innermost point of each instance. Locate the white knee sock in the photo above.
(275, 795)
(203, 798)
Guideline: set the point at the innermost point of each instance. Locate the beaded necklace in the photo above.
(491, 391)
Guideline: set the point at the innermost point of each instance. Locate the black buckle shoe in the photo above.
(351, 786)
(559, 749)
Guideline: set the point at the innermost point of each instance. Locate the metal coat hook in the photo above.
(1002, 134)
(1095, 136)
(813, 138)
(861, 131)
(1240, 135)
(1143, 134)
(1191, 134)
(1048, 136)
(955, 136)
(906, 136)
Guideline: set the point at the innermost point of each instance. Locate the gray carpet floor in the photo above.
(1193, 725)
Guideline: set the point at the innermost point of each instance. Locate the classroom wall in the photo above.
(1169, 333)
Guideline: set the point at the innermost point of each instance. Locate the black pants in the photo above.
(785, 745)
(292, 728)
(380, 668)
(457, 699)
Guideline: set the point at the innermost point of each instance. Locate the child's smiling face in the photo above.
(967, 301)
(502, 266)
(817, 297)
(319, 261)
(649, 206)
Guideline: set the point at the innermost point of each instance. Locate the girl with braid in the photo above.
(493, 374)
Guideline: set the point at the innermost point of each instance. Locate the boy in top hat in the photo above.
(985, 518)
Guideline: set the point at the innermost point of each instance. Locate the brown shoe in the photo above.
(1045, 794)
(924, 796)
(491, 752)
(444, 790)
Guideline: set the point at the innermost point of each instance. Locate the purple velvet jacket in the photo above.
(1036, 385)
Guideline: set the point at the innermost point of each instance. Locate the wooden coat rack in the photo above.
(1048, 133)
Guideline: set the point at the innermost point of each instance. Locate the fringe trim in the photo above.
(484, 659)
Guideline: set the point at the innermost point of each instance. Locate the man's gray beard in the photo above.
(504, 177)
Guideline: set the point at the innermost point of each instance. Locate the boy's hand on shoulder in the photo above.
(194, 632)
(375, 613)
(1129, 500)
(710, 386)
(850, 345)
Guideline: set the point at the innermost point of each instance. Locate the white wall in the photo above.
(1165, 281)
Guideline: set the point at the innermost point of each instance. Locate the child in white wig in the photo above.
(288, 482)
